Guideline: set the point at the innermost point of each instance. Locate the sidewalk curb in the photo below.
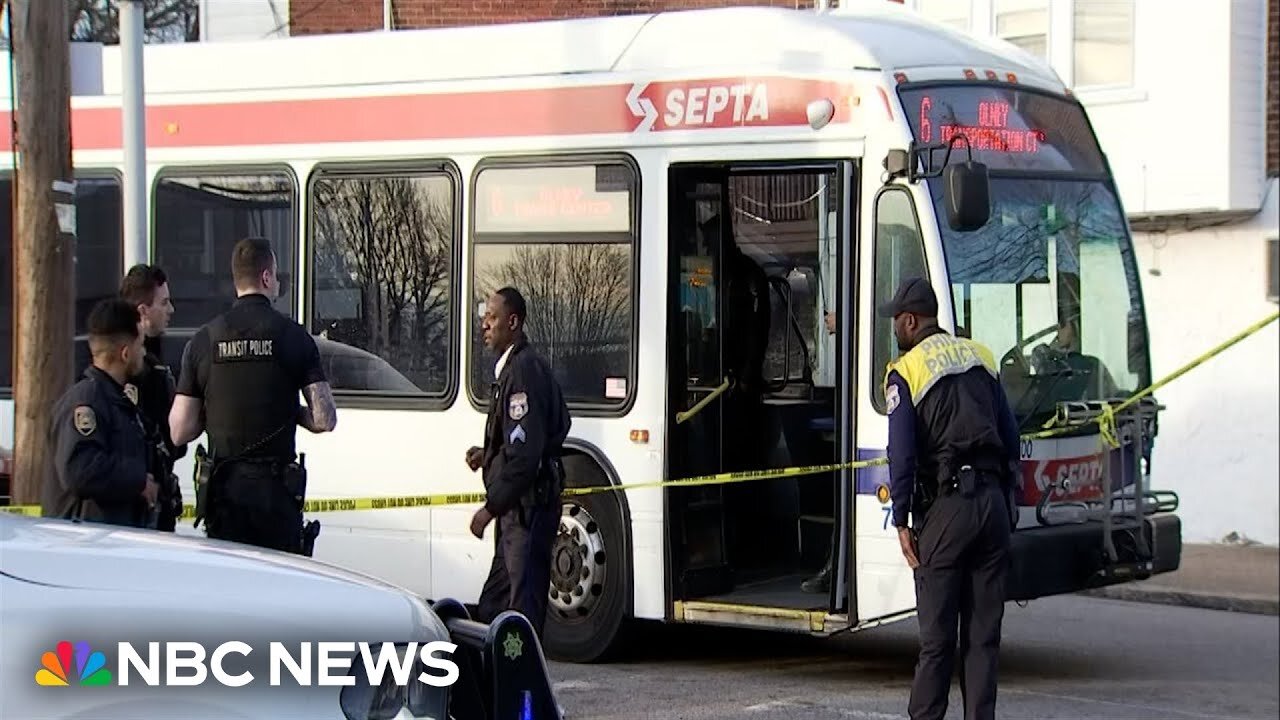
(1254, 605)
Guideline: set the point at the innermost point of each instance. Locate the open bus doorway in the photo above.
(755, 302)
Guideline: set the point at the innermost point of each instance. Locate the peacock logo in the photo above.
(91, 666)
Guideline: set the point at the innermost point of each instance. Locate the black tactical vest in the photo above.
(251, 398)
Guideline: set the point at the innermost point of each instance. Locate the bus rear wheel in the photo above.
(587, 604)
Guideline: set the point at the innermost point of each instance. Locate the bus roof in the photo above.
(880, 36)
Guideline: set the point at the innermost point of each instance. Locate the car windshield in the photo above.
(1050, 283)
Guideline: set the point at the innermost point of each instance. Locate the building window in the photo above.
(564, 235)
(899, 255)
(98, 258)
(955, 13)
(198, 219)
(1024, 23)
(1273, 270)
(1103, 43)
(382, 245)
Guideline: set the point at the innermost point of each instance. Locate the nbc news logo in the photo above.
(90, 666)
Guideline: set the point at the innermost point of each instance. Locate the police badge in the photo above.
(86, 420)
(518, 405)
(131, 392)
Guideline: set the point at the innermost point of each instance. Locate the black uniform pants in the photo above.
(520, 576)
(254, 508)
(963, 549)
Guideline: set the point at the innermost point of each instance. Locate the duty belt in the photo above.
(968, 480)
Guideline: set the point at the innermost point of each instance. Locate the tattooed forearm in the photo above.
(320, 415)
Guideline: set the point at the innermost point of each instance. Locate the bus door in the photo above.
(756, 382)
(885, 584)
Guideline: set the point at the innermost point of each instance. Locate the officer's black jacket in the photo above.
(100, 454)
(960, 415)
(528, 421)
(156, 389)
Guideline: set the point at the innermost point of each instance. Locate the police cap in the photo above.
(914, 296)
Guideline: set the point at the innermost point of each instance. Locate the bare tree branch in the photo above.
(388, 241)
(579, 298)
(162, 20)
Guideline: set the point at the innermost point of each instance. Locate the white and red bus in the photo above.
(684, 198)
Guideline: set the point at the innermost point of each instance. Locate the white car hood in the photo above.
(220, 578)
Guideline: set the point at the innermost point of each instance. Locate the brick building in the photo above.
(323, 16)
(1273, 88)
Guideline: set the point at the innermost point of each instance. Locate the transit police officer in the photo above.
(240, 378)
(147, 288)
(953, 460)
(100, 453)
(523, 475)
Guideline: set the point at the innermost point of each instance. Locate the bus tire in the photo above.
(590, 570)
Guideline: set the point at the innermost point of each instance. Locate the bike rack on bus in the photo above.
(1134, 425)
(502, 671)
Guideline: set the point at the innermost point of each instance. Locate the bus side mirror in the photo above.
(967, 194)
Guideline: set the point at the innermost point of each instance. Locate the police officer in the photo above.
(523, 476)
(953, 457)
(147, 288)
(100, 454)
(240, 378)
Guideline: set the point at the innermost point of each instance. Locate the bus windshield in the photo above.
(1050, 283)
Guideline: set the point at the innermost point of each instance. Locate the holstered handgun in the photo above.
(310, 532)
(923, 496)
(203, 481)
(294, 478)
(550, 482)
(169, 500)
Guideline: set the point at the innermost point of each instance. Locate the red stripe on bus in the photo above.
(745, 102)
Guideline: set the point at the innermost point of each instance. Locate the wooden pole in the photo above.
(44, 240)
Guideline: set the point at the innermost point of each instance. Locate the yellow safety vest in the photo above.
(936, 357)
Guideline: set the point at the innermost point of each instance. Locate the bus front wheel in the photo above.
(588, 594)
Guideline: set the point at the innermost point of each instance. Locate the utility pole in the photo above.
(134, 138)
(45, 239)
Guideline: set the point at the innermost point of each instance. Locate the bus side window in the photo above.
(899, 250)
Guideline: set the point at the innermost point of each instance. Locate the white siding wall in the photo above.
(1188, 136)
(243, 19)
(1219, 436)
(1248, 102)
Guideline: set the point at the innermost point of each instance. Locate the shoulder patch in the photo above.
(518, 406)
(86, 420)
(131, 392)
(891, 397)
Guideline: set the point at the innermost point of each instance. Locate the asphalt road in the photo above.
(1067, 657)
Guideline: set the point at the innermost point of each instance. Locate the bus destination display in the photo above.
(1006, 128)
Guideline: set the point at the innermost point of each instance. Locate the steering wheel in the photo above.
(1016, 355)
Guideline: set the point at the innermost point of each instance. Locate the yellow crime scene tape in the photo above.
(1106, 422)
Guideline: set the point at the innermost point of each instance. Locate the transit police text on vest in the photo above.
(245, 349)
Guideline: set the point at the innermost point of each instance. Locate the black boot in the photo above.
(821, 582)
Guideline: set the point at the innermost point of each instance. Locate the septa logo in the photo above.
(91, 666)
